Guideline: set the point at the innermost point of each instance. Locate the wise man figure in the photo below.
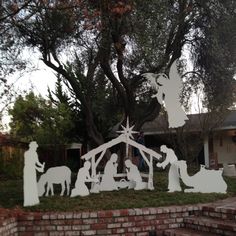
(173, 175)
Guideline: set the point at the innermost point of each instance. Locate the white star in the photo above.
(128, 131)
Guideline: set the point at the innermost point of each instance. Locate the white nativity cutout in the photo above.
(55, 175)
(204, 181)
(83, 177)
(168, 89)
(168, 94)
(106, 181)
(31, 166)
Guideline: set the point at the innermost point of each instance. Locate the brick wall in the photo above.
(8, 222)
(127, 222)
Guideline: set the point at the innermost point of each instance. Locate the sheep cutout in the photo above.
(55, 175)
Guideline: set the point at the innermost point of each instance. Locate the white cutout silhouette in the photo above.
(83, 176)
(173, 175)
(168, 93)
(134, 175)
(30, 179)
(55, 175)
(205, 181)
(108, 182)
(126, 136)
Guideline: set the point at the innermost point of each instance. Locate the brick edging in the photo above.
(136, 221)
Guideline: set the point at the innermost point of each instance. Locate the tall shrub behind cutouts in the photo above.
(11, 162)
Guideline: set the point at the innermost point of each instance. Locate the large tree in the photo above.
(122, 40)
(35, 118)
(10, 56)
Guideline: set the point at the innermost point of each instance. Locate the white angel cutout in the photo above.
(168, 92)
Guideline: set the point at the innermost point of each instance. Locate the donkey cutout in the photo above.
(55, 175)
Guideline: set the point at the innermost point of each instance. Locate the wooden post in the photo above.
(150, 177)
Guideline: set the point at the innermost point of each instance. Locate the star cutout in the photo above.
(128, 131)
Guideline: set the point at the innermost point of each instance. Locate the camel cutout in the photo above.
(204, 181)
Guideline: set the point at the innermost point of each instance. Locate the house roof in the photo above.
(7, 140)
(196, 123)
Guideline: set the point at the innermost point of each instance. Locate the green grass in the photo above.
(11, 195)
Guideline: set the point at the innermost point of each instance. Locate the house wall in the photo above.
(224, 147)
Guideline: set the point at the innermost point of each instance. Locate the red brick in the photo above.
(41, 222)
(77, 215)
(135, 218)
(61, 216)
(46, 217)
(142, 234)
(114, 225)
(128, 234)
(69, 216)
(150, 217)
(48, 227)
(85, 215)
(134, 229)
(56, 233)
(104, 232)
(105, 214)
(98, 226)
(142, 223)
(121, 219)
(148, 228)
(90, 221)
(169, 221)
(128, 224)
(64, 227)
(89, 232)
(163, 216)
(25, 234)
(76, 222)
(53, 216)
(93, 214)
(72, 233)
(81, 227)
(41, 234)
(118, 231)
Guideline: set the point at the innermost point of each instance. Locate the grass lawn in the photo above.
(11, 195)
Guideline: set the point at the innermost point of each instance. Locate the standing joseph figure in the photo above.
(30, 179)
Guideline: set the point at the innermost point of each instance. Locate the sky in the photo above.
(38, 80)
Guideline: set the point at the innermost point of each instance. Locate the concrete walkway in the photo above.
(225, 204)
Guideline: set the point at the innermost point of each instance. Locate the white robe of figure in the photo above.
(30, 179)
(108, 182)
(173, 175)
(81, 189)
(168, 93)
(170, 97)
(134, 175)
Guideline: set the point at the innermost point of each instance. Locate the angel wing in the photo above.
(176, 82)
(151, 77)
